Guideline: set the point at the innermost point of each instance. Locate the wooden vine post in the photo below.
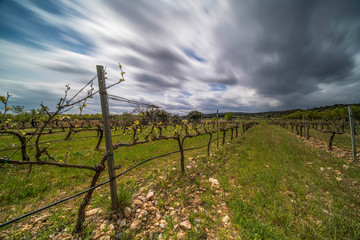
(208, 147)
(107, 131)
(352, 132)
(304, 124)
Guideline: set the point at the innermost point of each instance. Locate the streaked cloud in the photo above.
(232, 55)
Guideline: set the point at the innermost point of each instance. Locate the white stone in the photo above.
(225, 219)
(111, 227)
(142, 198)
(64, 235)
(102, 227)
(135, 225)
(127, 212)
(180, 235)
(185, 225)
(214, 182)
(142, 214)
(123, 223)
(150, 196)
(137, 202)
(42, 218)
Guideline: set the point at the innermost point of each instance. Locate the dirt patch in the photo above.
(336, 151)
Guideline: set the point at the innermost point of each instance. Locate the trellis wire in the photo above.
(99, 185)
(63, 139)
(39, 128)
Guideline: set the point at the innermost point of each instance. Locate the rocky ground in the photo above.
(336, 151)
(158, 213)
(171, 206)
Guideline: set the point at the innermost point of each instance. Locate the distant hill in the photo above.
(280, 113)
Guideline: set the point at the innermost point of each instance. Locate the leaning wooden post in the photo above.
(352, 132)
(217, 129)
(224, 135)
(304, 124)
(208, 148)
(107, 131)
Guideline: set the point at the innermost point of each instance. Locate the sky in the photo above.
(235, 56)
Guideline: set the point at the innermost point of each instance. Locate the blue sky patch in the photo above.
(186, 93)
(30, 30)
(217, 87)
(191, 54)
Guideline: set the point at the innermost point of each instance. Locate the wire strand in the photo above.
(99, 185)
(83, 88)
(122, 99)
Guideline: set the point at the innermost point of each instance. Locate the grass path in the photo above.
(280, 188)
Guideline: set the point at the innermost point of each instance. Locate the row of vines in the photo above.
(36, 148)
(327, 125)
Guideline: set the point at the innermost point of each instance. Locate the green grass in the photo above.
(23, 189)
(273, 184)
(281, 193)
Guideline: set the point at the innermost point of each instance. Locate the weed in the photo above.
(125, 192)
(192, 218)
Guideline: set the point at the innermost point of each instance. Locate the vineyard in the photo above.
(58, 140)
(325, 126)
(54, 171)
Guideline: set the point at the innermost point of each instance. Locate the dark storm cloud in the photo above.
(158, 59)
(71, 69)
(229, 80)
(156, 83)
(288, 48)
(153, 21)
(225, 104)
(232, 55)
(135, 61)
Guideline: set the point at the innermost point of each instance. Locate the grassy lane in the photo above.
(279, 188)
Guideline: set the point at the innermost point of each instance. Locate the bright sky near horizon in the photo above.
(240, 55)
